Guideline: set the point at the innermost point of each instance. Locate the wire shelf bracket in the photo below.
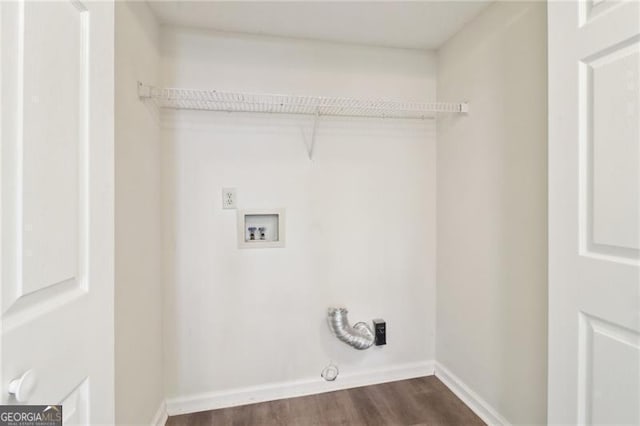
(213, 100)
(313, 133)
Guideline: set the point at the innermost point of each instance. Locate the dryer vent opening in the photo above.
(360, 336)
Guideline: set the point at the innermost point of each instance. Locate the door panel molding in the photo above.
(590, 328)
(590, 10)
(602, 209)
(26, 297)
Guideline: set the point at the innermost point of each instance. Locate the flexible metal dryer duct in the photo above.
(360, 336)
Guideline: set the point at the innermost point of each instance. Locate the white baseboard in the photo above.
(161, 417)
(478, 405)
(274, 391)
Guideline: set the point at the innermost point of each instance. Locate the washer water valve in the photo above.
(252, 233)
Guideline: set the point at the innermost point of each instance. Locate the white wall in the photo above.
(360, 215)
(491, 269)
(138, 292)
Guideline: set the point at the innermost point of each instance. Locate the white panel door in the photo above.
(594, 212)
(57, 205)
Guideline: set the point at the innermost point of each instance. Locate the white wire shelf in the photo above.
(213, 100)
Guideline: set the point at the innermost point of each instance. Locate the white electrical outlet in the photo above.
(229, 200)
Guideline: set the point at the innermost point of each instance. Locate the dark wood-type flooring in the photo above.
(422, 401)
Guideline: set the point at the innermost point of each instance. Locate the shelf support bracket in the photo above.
(313, 133)
(144, 91)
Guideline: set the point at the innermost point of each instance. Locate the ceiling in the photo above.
(417, 25)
